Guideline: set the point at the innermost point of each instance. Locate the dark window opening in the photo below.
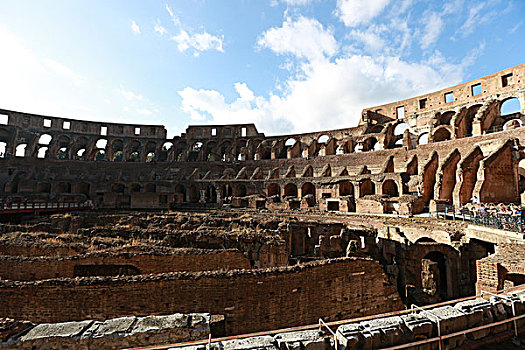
(476, 89)
(449, 97)
(423, 103)
(506, 80)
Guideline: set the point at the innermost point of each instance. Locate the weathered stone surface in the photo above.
(53, 330)
(307, 340)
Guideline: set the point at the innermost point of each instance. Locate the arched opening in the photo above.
(80, 153)
(513, 280)
(366, 188)
(448, 179)
(346, 188)
(63, 153)
(510, 106)
(390, 188)
(43, 187)
(194, 194)
(117, 151)
(323, 138)
(151, 188)
(211, 194)
(445, 118)
(423, 139)
(442, 134)
(118, 156)
(63, 146)
(400, 128)
(240, 190)
(135, 188)
(308, 188)
(3, 148)
(370, 144)
(227, 191)
(180, 193)
(290, 190)
(513, 124)
(83, 188)
(434, 275)
(376, 129)
(63, 187)
(424, 240)
(464, 121)
(118, 188)
(101, 144)
(412, 166)
(100, 155)
(133, 151)
(44, 139)
(42, 152)
(290, 142)
(273, 190)
(21, 150)
(150, 157)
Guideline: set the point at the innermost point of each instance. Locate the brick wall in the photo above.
(251, 300)
(29, 269)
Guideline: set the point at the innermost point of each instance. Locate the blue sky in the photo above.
(286, 65)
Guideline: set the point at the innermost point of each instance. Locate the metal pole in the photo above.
(512, 301)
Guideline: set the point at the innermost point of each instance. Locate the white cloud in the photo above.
(355, 12)
(475, 18)
(135, 28)
(62, 70)
(130, 95)
(144, 111)
(329, 95)
(200, 41)
(370, 38)
(160, 29)
(296, 2)
(169, 10)
(304, 38)
(433, 27)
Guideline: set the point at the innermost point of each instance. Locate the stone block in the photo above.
(307, 340)
(420, 326)
(348, 336)
(116, 327)
(385, 331)
(265, 342)
(57, 330)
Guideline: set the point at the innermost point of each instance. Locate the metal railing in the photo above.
(499, 220)
(42, 206)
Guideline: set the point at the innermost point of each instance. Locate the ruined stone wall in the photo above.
(250, 300)
(40, 268)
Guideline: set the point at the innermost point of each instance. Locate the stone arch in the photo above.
(211, 194)
(180, 193)
(43, 187)
(390, 188)
(512, 124)
(118, 188)
(464, 121)
(290, 190)
(208, 151)
(324, 138)
(308, 171)
(412, 166)
(510, 106)
(400, 128)
(63, 187)
(346, 188)
(308, 188)
(62, 147)
(441, 134)
(468, 174)
(83, 188)
(375, 129)
(136, 188)
(273, 190)
(227, 191)
(366, 188)
(370, 144)
(433, 263)
(445, 118)
(116, 150)
(3, 149)
(150, 152)
(20, 150)
(423, 138)
(429, 177)
(240, 190)
(150, 188)
(194, 194)
(133, 151)
(447, 176)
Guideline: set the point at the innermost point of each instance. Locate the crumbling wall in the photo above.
(251, 300)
